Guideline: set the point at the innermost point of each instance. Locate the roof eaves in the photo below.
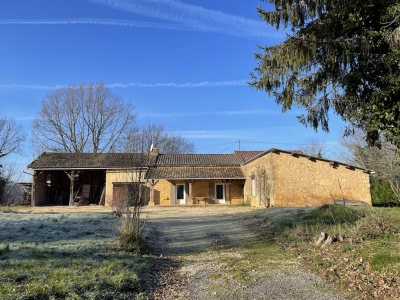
(307, 156)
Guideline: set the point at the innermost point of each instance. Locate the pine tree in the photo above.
(340, 55)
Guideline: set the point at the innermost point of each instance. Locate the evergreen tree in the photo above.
(340, 55)
(382, 193)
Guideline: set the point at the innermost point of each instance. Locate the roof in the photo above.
(197, 160)
(195, 172)
(237, 158)
(300, 153)
(90, 161)
(246, 155)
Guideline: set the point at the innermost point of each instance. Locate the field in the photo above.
(66, 256)
(201, 253)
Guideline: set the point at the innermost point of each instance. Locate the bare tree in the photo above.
(383, 159)
(156, 134)
(133, 195)
(11, 136)
(10, 191)
(84, 118)
(314, 147)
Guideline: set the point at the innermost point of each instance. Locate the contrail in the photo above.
(180, 85)
(89, 21)
(193, 16)
(136, 84)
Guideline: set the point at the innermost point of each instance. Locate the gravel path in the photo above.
(219, 259)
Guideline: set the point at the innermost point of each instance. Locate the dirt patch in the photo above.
(216, 258)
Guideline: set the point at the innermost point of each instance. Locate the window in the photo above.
(253, 187)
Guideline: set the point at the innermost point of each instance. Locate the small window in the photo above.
(253, 187)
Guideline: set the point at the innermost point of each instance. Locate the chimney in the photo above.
(154, 151)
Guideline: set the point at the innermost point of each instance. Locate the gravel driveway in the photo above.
(218, 258)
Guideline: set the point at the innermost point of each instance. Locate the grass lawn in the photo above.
(66, 256)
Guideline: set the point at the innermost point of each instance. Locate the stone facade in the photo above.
(164, 191)
(300, 181)
(274, 178)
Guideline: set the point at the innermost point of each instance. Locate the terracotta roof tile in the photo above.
(246, 155)
(90, 160)
(195, 172)
(198, 160)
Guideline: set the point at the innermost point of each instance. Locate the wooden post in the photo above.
(33, 192)
(152, 193)
(227, 196)
(190, 191)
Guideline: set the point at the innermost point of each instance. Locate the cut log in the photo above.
(321, 238)
(327, 242)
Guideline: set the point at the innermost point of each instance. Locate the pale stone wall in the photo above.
(296, 181)
(121, 176)
(254, 170)
(303, 182)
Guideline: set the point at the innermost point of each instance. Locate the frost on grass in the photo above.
(60, 255)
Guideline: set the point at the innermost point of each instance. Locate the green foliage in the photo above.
(382, 193)
(336, 214)
(385, 261)
(338, 56)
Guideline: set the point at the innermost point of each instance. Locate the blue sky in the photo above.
(184, 64)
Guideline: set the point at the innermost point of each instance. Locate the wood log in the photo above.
(321, 238)
(327, 242)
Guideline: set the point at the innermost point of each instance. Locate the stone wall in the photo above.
(304, 182)
(200, 188)
(236, 192)
(262, 172)
(296, 181)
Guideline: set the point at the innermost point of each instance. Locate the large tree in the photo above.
(11, 136)
(384, 160)
(141, 138)
(84, 118)
(340, 55)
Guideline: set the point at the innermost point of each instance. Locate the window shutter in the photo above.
(173, 194)
(212, 192)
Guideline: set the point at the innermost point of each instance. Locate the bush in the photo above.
(382, 194)
(336, 214)
(374, 225)
(130, 237)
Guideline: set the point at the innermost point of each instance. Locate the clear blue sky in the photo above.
(184, 64)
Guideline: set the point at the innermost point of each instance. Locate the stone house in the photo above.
(280, 178)
(272, 178)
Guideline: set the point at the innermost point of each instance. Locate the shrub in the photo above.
(374, 225)
(382, 194)
(336, 214)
